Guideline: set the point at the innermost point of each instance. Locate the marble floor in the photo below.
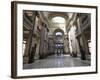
(55, 61)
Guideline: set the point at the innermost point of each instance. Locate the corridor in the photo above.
(56, 39)
(55, 61)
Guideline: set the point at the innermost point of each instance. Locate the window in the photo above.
(59, 33)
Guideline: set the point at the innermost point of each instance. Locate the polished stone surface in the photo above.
(56, 61)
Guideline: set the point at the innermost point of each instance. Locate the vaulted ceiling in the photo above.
(53, 26)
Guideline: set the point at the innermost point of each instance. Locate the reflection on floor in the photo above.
(56, 61)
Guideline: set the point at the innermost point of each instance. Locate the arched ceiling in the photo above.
(52, 15)
(61, 14)
(53, 26)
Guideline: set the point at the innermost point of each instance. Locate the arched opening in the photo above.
(58, 40)
(58, 22)
(58, 34)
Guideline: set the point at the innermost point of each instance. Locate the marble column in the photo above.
(31, 36)
(41, 53)
(85, 45)
(27, 55)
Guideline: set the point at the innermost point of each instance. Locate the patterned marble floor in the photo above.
(55, 61)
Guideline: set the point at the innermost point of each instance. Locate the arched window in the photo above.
(58, 33)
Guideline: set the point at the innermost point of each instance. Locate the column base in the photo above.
(25, 59)
(42, 56)
(83, 57)
(74, 54)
